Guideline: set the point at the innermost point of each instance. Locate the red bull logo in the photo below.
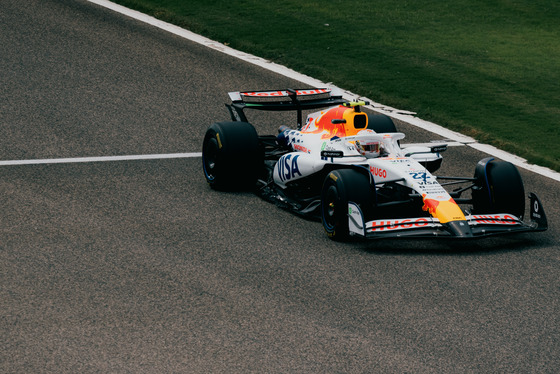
(339, 121)
(430, 206)
(285, 93)
(324, 123)
(445, 211)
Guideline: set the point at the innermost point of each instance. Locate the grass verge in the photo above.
(488, 69)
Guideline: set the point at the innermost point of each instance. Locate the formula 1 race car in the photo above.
(350, 170)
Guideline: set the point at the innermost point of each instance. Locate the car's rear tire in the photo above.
(231, 156)
(381, 123)
(340, 187)
(499, 189)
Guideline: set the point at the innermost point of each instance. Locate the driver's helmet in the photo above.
(369, 149)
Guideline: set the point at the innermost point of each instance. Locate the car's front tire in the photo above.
(340, 187)
(231, 156)
(499, 189)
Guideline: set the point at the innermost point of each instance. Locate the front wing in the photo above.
(476, 226)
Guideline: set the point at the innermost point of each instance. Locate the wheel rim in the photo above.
(330, 207)
(210, 155)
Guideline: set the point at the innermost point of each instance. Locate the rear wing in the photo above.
(283, 100)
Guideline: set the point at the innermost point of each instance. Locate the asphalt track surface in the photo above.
(137, 266)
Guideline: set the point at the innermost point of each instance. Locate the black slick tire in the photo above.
(231, 156)
(499, 189)
(340, 187)
(381, 123)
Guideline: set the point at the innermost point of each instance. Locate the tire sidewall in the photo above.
(381, 124)
(340, 187)
(237, 159)
(500, 191)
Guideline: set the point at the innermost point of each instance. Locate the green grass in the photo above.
(487, 68)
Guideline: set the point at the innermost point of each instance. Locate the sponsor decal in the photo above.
(500, 219)
(323, 125)
(219, 141)
(444, 210)
(313, 92)
(288, 167)
(397, 160)
(439, 148)
(430, 187)
(301, 148)
(430, 206)
(265, 94)
(419, 175)
(400, 224)
(284, 93)
(330, 154)
(535, 211)
(355, 220)
(427, 183)
(378, 172)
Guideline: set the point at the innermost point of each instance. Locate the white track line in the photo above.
(99, 159)
(405, 116)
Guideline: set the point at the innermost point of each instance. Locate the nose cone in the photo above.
(445, 211)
